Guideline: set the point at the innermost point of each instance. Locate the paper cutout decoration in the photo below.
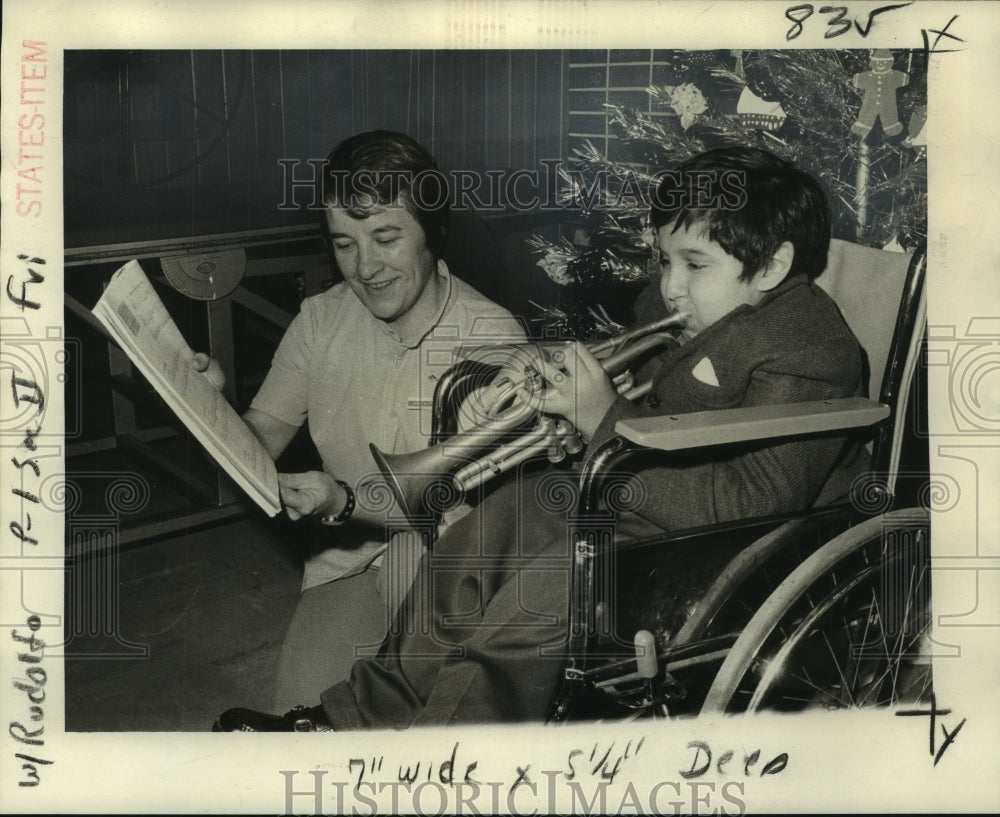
(755, 112)
(879, 87)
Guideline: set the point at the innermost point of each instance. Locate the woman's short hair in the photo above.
(384, 167)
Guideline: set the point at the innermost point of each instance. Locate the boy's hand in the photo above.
(576, 387)
(210, 369)
(310, 493)
(507, 392)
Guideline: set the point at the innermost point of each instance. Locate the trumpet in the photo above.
(440, 475)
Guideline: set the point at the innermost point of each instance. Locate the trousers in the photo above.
(482, 635)
(338, 623)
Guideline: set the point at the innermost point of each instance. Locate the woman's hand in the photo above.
(310, 493)
(210, 369)
(576, 387)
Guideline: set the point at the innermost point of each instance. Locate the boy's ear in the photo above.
(776, 270)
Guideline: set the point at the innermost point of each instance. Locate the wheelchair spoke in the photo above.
(902, 645)
(844, 685)
(895, 665)
(886, 652)
(864, 640)
(836, 644)
(838, 625)
(829, 697)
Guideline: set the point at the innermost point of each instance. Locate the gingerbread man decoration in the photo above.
(879, 86)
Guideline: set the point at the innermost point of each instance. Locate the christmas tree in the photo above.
(853, 119)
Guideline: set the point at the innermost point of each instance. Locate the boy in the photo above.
(758, 332)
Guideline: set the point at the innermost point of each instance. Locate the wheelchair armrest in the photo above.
(675, 432)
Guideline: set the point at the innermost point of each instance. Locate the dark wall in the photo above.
(179, 144)
(171, 144)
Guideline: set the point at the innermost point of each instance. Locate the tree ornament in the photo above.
(754, 112)
(687, 65)
(554, 265)
(879, 86)
(555, 258)
(687, 101)
(759, 77)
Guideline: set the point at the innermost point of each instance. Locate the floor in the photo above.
(195, 629)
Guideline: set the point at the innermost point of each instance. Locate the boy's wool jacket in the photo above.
(792, 347)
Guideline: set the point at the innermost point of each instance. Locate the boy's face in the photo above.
(700, 278)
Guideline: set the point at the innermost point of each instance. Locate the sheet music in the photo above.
(137, 319)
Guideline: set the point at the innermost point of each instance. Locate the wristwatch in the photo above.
(345, 512)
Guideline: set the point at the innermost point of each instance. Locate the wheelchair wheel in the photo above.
(847, 628)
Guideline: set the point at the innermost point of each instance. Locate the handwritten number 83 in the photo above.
(837, 24)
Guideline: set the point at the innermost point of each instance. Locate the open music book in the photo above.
(135, 316)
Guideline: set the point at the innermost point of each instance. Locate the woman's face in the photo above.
(384, 257)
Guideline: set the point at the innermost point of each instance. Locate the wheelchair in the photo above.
(827, 608)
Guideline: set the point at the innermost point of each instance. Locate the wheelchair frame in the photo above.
(820, 632)
(830, 593)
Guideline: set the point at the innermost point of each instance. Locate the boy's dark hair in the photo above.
(750, 201)
(381, 166)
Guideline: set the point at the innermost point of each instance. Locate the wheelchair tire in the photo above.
(727, 591)
(845, 629)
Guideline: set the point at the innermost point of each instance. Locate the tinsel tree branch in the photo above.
(807, 102)
(555, 259)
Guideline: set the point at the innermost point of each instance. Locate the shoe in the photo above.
(300, 719)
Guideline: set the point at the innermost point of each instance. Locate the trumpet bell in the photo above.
(419, 482)
(399, 492)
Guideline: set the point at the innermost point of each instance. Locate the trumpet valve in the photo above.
(568, 437)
